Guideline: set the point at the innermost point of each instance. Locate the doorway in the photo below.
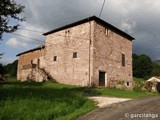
(102, 78)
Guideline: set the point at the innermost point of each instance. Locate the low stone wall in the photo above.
(121, 84)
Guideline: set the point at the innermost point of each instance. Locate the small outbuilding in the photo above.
(156, 84)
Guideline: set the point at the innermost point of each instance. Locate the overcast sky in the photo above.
(139, 18)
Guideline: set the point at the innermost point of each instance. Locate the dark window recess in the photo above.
(38, 62)
(101, 78)
(31, 61)
(55, 58)
(127, 83)
(123, 60)
(74, 54)
(65, 33)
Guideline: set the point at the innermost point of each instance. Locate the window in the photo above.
(123, 60)
(127, 83)
(55, 58)
(74, 54)
(38, 62)
(107, 32)
(67, 33)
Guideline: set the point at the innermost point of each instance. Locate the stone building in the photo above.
(30, 64)
(90, 52)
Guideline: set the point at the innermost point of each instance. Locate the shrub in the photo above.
(148, 86)
(138, 86)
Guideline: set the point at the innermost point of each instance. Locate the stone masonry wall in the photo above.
(24, 64)
(108, 48)
(62, 44)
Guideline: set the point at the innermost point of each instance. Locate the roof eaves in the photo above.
(31, 50)
(89, 19)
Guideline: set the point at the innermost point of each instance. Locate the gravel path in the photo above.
(105, 101)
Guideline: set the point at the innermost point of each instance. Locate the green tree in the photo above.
(155, 69)
(135, 65)
(12, 68)
(142, 66)
(9, 9)
(2, 69)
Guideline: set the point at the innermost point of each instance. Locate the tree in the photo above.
(142, 66)
(135, 65)
(9, 9)
(2, 70)
(12, 68)
(155, 69)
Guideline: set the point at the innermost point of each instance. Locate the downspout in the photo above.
(89, 52)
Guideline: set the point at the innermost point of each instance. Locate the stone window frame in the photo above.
(107, 31)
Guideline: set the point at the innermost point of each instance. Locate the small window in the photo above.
(123, 60)
(74, 54)
(127, 83)
(107, 32)
(31, 61)
(55, 58)
(66, 33)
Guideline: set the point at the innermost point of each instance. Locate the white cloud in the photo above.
(14, 43)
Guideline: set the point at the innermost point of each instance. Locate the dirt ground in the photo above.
(105, 101)
(138, 109)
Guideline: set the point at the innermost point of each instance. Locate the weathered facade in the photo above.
(90, 52)
(29, 63)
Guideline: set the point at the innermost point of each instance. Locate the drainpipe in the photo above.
(89, 52)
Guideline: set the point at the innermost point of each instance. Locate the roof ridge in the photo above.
(89, 19)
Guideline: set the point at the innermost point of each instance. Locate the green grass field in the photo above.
(124, 93)
(50, 101)
(42, 101)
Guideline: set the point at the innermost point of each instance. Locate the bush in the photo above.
(138, 87)
(148, 86)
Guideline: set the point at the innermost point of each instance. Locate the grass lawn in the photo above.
(48, 100)
(124, 93)
(42, 101)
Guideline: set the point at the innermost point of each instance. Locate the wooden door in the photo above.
(101, 78)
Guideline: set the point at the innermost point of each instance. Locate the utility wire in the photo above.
(38, 40)
(27, 37)
(44, 41)
(102, 8)
(76, 37)
(30, 30)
